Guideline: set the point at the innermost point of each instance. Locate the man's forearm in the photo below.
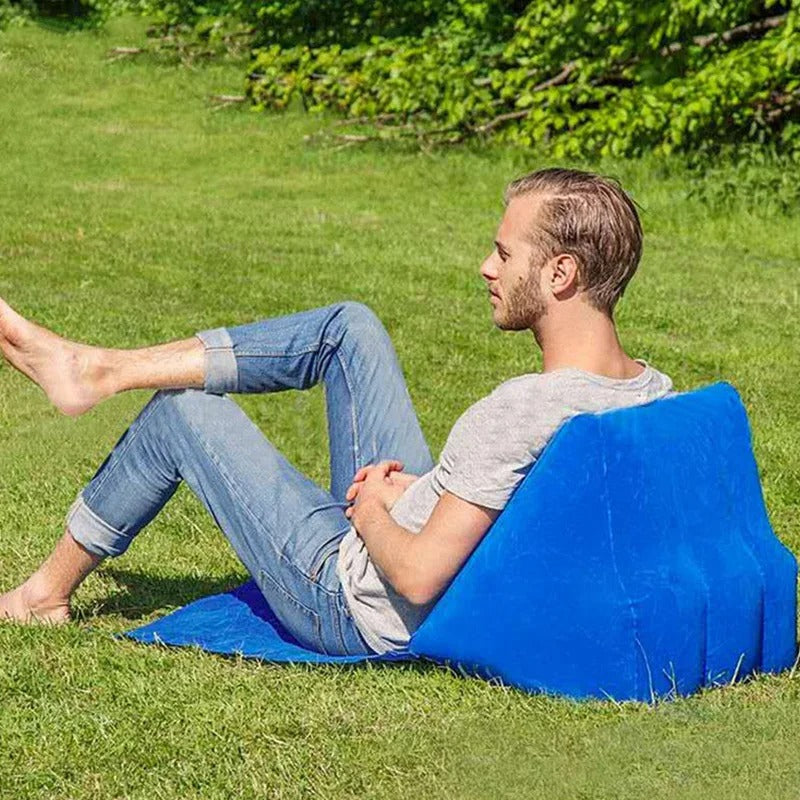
(390, 546)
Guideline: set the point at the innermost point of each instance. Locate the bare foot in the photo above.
(69, 373)
(28, 604)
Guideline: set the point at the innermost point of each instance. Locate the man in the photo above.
(354, 570)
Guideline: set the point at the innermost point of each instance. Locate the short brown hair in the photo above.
(591, 218)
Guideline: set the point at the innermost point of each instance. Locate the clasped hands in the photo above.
(376, 484)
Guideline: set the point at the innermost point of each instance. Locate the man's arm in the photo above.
(419, 566)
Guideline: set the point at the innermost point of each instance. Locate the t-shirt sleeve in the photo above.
(493, 445)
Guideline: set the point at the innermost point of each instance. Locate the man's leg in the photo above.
(369, 410)
(370, 414)
(45, 596)
(76, 376)
(282, 526)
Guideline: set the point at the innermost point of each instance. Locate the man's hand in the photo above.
(380, 483)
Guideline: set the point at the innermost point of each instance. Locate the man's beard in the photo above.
(524, 306)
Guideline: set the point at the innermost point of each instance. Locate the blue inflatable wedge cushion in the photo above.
(635, 561)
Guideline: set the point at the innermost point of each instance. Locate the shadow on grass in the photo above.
(144, 593)
(66, 16)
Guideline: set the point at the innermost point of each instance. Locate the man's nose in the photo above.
(489, 268)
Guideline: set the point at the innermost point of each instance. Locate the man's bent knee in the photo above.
(194, 406)
(358, 318)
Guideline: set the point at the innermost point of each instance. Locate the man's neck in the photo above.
(586, 340)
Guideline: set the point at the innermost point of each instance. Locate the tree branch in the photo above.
(378, 118)
(116, 53)
(499, 120)
(227, 99)
(556, 80)
(732, 35)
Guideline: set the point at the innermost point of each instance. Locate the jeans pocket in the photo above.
(327, 551)
(302, 622)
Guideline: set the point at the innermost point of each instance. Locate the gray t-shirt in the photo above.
(488, 452)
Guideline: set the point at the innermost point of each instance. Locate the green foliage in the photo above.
(12, 12)
(571, 77)
(69, 13)
(130, 214)
(608, 77)
(343, 23)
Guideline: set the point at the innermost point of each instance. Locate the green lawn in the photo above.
(130, 212)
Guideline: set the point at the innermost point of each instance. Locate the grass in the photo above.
(131, 212)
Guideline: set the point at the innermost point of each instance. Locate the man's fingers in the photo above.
(362, 473)
(385, 467)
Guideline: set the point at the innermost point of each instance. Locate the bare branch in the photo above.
(356, 137)
(228, 99)
(365, 120)
(732, 35)
(499, 120)
(117, 53)
(557, 80)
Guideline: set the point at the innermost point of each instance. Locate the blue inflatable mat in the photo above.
(239, 622)
(634, 561)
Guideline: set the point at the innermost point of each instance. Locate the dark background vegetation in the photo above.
(580, 78)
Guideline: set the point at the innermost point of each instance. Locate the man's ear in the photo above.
(563, 275)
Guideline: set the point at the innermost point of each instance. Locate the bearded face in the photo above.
(513, 271)
(520, 303)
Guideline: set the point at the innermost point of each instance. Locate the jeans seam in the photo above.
(353, 416)
(287, 594)
(335, 612)
(226, 348)
(301, 573)
(344, 610)
(287, 354)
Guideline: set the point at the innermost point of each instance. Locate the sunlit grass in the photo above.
(130, 212)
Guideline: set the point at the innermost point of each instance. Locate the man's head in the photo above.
(565, 235)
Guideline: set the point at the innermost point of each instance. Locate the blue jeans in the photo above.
(284, 528)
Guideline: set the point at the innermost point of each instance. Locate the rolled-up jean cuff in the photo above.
(222, 374)
(94, 534)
